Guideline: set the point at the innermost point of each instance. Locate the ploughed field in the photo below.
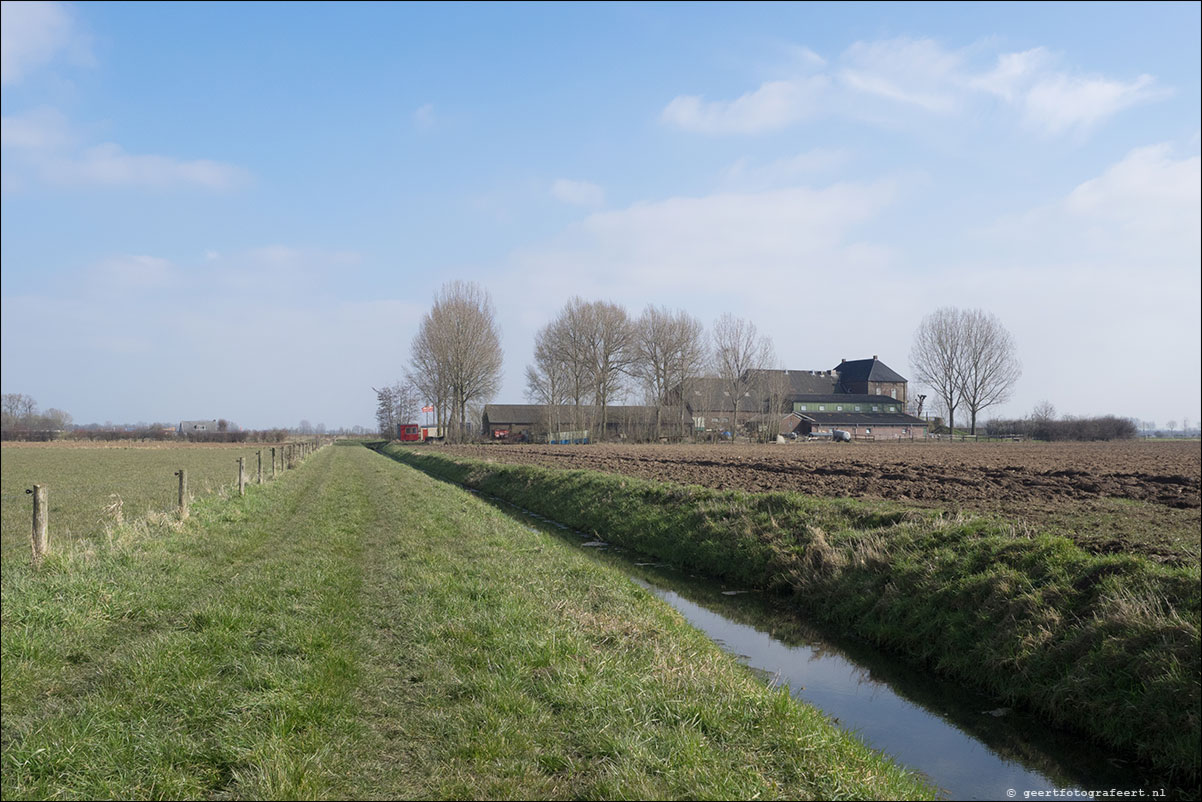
(1128, 496)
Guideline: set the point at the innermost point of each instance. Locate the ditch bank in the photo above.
(1103, 645)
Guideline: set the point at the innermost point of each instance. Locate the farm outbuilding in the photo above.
(862, 396)
(187, 427)
(541, 423)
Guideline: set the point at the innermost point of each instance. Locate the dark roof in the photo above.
(529, 414)
(867, 370)
(515, 413)
(713, 395)
(804, 382)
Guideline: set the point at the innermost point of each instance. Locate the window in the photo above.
(857, 407)
(893, 409)
(867, 430)
(822, 407)
(876, 407)
(839, 408)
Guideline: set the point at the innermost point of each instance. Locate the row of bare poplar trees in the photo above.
(590, 355)
(593, 352)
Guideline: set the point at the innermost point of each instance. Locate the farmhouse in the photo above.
(863, 396)
(187, 427)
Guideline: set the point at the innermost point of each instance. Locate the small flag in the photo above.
(428, 409)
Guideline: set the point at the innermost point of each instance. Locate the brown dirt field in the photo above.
(1083, 488)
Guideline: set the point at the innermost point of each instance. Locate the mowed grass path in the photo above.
(357, 629)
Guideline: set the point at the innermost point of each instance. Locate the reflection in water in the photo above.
(969, 744)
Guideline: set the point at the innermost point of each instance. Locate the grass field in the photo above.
(359, 630)
(84, 484)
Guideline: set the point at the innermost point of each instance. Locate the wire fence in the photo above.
(86, 493)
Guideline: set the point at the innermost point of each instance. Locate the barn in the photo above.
(568, 423)
(862, 396)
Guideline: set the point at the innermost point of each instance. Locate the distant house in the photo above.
(187, 427)
(863, 396)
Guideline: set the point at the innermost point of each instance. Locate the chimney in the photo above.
(874, 357)
(841, 361)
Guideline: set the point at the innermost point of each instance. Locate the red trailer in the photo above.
(409, 433)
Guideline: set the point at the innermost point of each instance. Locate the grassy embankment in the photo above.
(357, 629)
(1106, 645)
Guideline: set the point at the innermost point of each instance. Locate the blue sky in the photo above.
(242, 211)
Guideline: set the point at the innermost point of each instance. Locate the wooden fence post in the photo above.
(260, 480)
(273, 462)
(183, 493)
(39, 537)
(242, 476)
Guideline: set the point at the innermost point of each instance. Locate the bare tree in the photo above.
(608, 346)
(1043, 411)
(547, 378)
(19, 411)
(456, 354)
(738, 351)
(988, 367)
(770, 388)
(967, 357)
(396, 404)
(668, 349)
(935, 358)
(566, 340)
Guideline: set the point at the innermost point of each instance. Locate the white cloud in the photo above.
(774, 105)
(577, 193)
(1141, 214)
(43, 145)
(774, 255)
(33, 34)
(424, 116)
(209, 348)
(134, 272)
(919, 74)
(1101, 288)
(788, 170)
(1057, 103)
(109, 165)
(43, 128)
(915, 72)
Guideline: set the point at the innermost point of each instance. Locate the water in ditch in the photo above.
(968, 744)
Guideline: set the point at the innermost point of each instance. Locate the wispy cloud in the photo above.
(42, 144)
(774, 105)
(577, 193)
(424, 117)
(751, 175)
(33, 34)
(914, 72)
(920, 75)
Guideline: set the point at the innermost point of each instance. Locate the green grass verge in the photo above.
(359, 630)
(1105, 645)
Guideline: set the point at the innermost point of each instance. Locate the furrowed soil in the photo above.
(1140, 497)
